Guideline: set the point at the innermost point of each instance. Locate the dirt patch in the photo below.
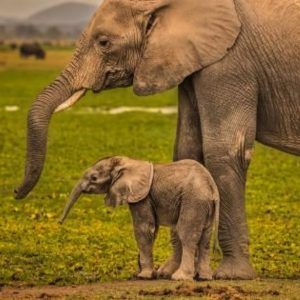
(160, 289)
(184, 290)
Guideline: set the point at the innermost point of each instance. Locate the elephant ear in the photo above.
(184, 37)
(131, 182)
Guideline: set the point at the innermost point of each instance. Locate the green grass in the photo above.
(96, 243)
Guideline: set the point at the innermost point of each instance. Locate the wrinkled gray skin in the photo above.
(181, 195)
(237, 65)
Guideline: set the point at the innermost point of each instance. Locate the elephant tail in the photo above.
(216, 246)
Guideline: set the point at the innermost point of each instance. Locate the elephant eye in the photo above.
(150, 23)
(103, 41)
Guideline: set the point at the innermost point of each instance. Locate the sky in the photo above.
(24, 8)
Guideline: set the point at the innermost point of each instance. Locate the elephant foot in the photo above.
(235, 268)
(146, 275)
(167, 269)
(182, 275)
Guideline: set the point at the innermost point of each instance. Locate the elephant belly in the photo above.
(278, 123)
(166, 216)
(278, 111)
(276, 52)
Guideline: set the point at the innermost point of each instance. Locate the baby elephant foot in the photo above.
(167, 269)
(146, 274)
(205, 275)
(181, 275)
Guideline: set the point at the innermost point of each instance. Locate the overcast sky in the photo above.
(24, 8)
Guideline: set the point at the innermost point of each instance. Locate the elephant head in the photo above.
(122, 179)
(150, 44)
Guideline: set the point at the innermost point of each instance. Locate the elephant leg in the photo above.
(233, 231)
(228, 121)
(188, 143)
(173, 263)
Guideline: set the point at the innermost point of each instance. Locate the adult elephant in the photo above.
(237, 65)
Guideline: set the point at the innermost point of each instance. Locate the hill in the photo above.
(71, 13)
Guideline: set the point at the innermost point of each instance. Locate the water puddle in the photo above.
(12, 108)
(169, 110)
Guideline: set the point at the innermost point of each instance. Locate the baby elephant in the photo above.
(182, 195)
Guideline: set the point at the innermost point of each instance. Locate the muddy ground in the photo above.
(258, 289)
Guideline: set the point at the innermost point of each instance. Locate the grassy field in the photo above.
(96, 243)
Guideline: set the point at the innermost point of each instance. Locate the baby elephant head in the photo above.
(122, 179)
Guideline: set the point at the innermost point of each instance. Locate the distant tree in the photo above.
(27, 31)
(2, 31)
(76, 32)
(53, 33)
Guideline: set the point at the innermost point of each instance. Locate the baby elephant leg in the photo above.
(189, 228)
(203, 269)
(145, 240)
(173, 263)
(145, 232)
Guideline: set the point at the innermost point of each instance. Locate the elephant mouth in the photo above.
(108, 84)
(112, 82)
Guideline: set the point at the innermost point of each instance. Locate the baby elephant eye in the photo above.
(94, 178)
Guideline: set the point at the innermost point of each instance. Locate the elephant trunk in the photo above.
(77, 191)
(63, 92)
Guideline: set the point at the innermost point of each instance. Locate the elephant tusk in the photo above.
(71, 101)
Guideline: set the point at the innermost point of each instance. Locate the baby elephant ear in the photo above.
(131, 183)
(184, 37)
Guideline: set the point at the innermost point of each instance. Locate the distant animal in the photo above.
(181, 195)
(32, 49)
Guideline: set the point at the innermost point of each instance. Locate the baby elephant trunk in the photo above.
(77, 191)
